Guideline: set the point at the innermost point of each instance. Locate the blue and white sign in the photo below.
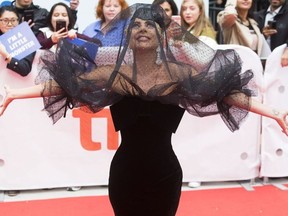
(20, 41)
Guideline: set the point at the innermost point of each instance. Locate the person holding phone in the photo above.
(27, 8)
(274, 26)
(239, 27)
(28, 11)
(60, 25)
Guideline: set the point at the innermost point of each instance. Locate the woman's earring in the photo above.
(158, 60)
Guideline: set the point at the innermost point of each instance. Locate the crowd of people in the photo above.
(241, 22)
(153, 94)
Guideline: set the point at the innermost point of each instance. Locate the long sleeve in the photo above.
(228, 16)
(22, 67)
(46, 43)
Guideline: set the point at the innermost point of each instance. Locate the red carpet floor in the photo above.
(264, 201)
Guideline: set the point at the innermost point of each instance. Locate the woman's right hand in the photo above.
(56, 36)
(7, 100)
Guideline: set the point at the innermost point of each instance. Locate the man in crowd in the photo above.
(274, 25)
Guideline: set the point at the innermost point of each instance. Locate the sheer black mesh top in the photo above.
(157, 60)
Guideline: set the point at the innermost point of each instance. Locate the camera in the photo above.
(60, 24)
(272, 24)
(28, 15)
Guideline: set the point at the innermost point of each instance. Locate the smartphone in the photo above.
(60, 24)
(272, 24)
(28, 15)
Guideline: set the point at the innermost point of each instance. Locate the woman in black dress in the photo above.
(160, 71)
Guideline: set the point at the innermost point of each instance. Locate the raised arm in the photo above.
(96, 81)
(259, 108)
(228, 16)
(29, 92)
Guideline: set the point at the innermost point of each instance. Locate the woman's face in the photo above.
(190, 12)
(244, 4)
(110, 9)
(8, 20)
(59, 13)
(167, 8)
(143, 35)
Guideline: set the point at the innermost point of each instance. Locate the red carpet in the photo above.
(264, 201)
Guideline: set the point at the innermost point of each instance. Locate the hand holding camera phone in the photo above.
(60, 24)
(272, 24)
(28, 15)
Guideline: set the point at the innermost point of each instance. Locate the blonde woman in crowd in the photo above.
(240, 28)
(194, 19)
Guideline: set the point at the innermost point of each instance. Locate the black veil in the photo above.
(183, 71)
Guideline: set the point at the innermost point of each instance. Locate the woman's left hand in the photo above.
(72, 34)
(282, 121)
(6, 101)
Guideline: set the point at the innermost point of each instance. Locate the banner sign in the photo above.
(20, 41)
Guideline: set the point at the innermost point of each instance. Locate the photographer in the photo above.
(277, 32)
(49, 36)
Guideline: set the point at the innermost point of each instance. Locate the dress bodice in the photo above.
(127, 111)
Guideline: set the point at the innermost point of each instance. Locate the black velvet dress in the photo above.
(147, 97)
(145, 175)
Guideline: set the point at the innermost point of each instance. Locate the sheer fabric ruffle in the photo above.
(186, 72)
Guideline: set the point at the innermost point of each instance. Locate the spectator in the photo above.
(74, 6)
(40, 14)
(8, 20)
(240, 28)
(194, 19)
(277, 12)
(169, 6)
(49, 36)
(106, 10)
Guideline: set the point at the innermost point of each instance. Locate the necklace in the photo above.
(245, 23)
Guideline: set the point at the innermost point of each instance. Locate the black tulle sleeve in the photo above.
(186, 72)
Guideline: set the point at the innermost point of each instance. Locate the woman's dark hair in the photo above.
(10, 9)
(173, 5)
(69, 12)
